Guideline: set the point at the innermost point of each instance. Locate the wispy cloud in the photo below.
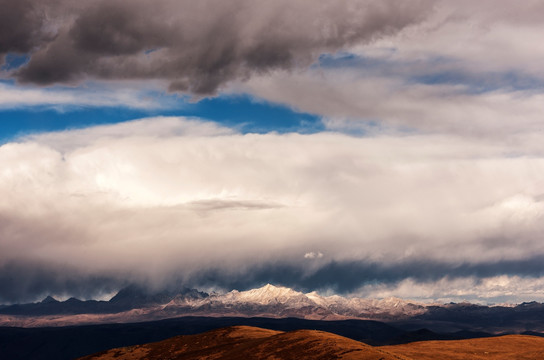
(66, 98)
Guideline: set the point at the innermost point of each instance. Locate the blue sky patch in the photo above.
(243, 113)
(13, 61)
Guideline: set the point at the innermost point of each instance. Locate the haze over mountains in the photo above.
(136, 304)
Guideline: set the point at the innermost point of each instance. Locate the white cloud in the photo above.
(502, 289)
(313, 255)
(471, 68)
(189, 195)
(104, 95)
(151, 128)
(487, 35)
(450, 170)
(349, 101)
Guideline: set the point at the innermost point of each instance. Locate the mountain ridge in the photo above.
(135, 303)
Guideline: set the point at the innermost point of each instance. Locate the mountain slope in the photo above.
(244, 342)
(519, 347)
(65, 343)
(278, 301)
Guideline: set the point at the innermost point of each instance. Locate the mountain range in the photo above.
(137, 304)
(269, 300)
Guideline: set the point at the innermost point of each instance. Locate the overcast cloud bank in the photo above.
(194, 46)
(169, 200)
(439, 196)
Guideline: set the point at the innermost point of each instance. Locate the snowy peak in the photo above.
(280, 301)
(268, 294)
(269, 300)
(318, 299)
(266, 301)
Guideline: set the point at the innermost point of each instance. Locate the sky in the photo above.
(367, 148)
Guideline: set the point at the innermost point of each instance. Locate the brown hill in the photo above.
(245, 342)
(519, 347)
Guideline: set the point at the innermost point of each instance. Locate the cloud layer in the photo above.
(15, 97)
(468, 68)
(169, 200)
(195, 46)
(441, 198)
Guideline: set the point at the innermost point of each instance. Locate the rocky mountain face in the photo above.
(134, 297)
(275, 301)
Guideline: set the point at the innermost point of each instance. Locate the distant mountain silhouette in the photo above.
(133, 297)
(129, 298)
(49, 300)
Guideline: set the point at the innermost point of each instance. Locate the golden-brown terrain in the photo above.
(508, 347)
(245, 342)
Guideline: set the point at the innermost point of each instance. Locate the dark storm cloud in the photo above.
(197, 46)
(22, 282)
(22, 25)
(346, 277)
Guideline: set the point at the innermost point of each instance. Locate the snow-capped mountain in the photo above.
(268, 295)
(269, 301)
(138, 304)
(368, 308)
(278, 301)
